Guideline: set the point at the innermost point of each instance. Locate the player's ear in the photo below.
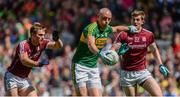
(143, 20)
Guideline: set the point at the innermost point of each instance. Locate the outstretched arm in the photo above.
(120, 28)
(56, 43)
(131, 29)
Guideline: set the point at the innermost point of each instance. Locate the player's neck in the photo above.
(139, 29)
(34, 43)
(100, 27)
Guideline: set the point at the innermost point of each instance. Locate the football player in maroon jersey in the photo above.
(133, 62)
(27, 55)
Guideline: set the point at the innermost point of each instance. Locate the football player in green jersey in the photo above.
(85, 73)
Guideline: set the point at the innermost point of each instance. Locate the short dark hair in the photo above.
(35, 27)
(138, 12)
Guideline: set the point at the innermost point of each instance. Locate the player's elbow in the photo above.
(22, 58)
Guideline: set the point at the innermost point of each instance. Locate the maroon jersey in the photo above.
(135, 57)
(34, 52)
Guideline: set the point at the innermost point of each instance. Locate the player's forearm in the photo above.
(120, 28)
(29, 63)
(93, 48)
(153, 48)
(91, 44)
(157, 56)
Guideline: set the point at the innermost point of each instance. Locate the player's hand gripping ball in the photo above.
(112, 57)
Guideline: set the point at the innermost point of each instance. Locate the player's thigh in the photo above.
(79, 73)
(12, 92)
(129, 91)
(152, 87)
(94, 83)
(128, 78)
(29, 91)
(10, 84)
(33, 93)
(81, 91)
(95, 92)
(25, 87)
(79, 77)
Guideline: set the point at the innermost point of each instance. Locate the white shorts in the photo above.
(131, 78)
(83, 76)
(11, 81)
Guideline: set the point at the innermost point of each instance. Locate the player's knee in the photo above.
(81, 91)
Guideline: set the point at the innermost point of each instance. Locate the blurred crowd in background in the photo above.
(70, 17)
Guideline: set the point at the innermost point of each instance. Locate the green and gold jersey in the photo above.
(83, 55)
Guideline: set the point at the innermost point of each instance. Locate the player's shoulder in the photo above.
(92, 25)
(124, 33)
(24, 42)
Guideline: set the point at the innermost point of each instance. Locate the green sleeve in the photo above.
(89, 30)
